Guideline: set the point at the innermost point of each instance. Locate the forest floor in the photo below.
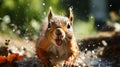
(101, 50)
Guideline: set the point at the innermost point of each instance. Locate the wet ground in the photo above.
(102, 50)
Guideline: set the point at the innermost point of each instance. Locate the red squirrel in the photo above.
(57, 44)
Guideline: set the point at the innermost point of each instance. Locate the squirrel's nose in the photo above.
(58, 31)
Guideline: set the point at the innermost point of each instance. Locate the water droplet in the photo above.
(85, 49)
(26, 38)
(56, 56)
(117, 26)
(100, 60)
(22, 47)
(44, 13)
(104, 42)
(6, 19)
(93, 51)
(110, 5)
(98, 25)
(79, 43)
(84, 64)
(43, 4)
(13, 30)
(93, 45)
(12, 24)
(91, 17)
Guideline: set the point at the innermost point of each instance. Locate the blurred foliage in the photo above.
(20, 13)
(86, 29)
(24, 17)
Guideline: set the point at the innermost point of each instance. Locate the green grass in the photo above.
(84, 29)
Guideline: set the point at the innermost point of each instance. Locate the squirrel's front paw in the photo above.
(66, 65)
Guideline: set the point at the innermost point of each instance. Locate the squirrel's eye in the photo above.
(68, 26)
(50, 24)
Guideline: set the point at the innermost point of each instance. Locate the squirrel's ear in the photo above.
(70, 15)
(50, 14)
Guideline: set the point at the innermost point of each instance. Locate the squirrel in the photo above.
(56, 43)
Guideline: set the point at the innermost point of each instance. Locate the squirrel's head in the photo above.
(60, 27)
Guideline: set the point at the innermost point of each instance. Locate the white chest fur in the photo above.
(58, 53)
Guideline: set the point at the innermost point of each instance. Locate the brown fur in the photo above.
(52, 51)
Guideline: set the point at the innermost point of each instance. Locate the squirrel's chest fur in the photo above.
(58, 53)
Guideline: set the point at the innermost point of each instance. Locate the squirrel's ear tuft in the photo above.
(50, 14)
(70, 15)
